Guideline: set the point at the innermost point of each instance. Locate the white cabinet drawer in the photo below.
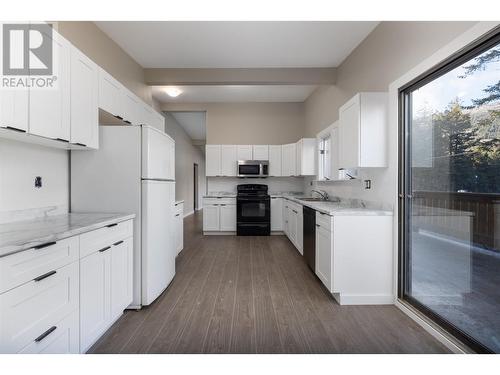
(61, 338)
(98, 239)
(209, 201)
(179, 208)
(30, 310)
(324, 221)
(17, 269)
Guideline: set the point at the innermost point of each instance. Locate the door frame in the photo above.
(467, 52)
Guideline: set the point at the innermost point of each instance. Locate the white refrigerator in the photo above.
(133, 171)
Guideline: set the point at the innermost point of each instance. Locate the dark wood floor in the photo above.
(256, 295)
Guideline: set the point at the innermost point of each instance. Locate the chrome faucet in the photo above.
(322, 193)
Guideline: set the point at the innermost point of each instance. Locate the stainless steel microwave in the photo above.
(253, 168)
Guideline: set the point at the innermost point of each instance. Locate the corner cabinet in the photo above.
(363, 131)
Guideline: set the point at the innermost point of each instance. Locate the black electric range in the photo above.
(253, 210)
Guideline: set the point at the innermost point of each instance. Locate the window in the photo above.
(325, 157)
(450, 195)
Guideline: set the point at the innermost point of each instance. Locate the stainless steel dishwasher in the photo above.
(309, 239)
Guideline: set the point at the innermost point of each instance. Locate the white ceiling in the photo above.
(232, 94)
(193, 123)
(170, 44)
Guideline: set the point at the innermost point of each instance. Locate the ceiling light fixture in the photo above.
(173, 92)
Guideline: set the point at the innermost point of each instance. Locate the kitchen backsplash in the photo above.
(20, 165)
(275, 184)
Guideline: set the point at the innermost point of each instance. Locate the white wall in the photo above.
(20, 163)
(275, 184)
(185, 156)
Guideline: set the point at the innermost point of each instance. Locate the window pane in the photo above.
(453, 255)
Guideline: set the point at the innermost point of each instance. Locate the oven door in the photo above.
(248, 169)
(253, 209)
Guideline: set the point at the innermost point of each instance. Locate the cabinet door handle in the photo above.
(111, 225)
(45, 334)
(318, 225)
(117, 243)
(127, 121)
(119, 117)
(104, 249)
(15, 129)
(62, 140)
(222, 205)
(38, 247)
(295, 211)
(80, 144)
(177, 215)
(44, 276)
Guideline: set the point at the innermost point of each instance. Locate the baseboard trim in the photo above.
(355, 299)
(188, 214)
(433, 329)
(219, 233)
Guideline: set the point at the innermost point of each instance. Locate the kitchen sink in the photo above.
(312, 199)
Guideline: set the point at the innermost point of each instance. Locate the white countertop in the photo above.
(22, 235)
(346, 207)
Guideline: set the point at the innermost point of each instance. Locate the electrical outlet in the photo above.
(368, 184)
(38, 182)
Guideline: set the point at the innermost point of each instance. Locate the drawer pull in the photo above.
(106, 248)
(111, 225)
(295, 211)
(117, 243)
(44, 276)
(119, 117)
(38, 247)
(318, 225)
(45, 334)
(177, 215)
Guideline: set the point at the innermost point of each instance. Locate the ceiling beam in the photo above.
(239, 76)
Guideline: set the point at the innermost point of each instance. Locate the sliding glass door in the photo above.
(450, 195)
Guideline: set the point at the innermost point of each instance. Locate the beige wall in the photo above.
(249, 123)
(185, 156)
(391, 50)
(387, 53)
(87, 37)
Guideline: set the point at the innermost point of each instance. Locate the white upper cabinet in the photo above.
(229, 160)
(49, 110)
(245, 152)
(305, 154)
(334, 152)
(275, 160)
(146, 115)
(288, 160)
(84, 100)
(157, 121)
(261, 152)
(110, 94)
(212, 160)
(362, 131)
(132, 108)
(14, 109)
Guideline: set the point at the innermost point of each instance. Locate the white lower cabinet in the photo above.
(293, 223)
(95, 297)
(324, 255)
(227, 218)
(276, 214)
(219, 215)
(31, 314)
(56, 298)
(179, 226)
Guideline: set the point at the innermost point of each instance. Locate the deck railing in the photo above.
(485, 209)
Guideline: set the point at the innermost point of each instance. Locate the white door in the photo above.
(158, 248)
(156, 154)
(95, 297)
(276, 214)
(121, 276)
(84, 98)
(213, 160)
(227, 217)
(245, 152)
(275, 160)
(229, 160)
(49, 110)
(210, 218)
(261, 152)
(324, 256)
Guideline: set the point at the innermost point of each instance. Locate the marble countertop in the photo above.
(346, 207)
(22, 235)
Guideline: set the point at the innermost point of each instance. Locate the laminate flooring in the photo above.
(256, 295)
